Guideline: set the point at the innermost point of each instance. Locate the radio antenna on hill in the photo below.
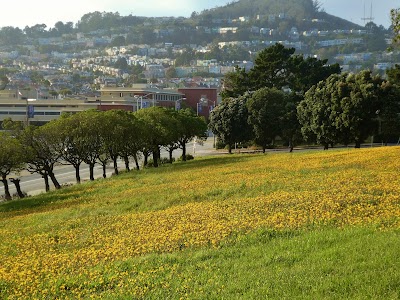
(367, 19)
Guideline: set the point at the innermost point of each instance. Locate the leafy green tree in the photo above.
(11, 36)
(3, 82)
(81, 139)
(290, 126)
(14, 126)
(388, 114)
(342, 108)
(236, 83)
(147, 36)
(171, 73)
(36, 31)
(358, 107)
(113, 137)
(121, 63)
(265, 108)
(118, 41)
(72, 144)
(314, 115)
(272, 67)
(375, 40)
(184, 59)
(229, 121)
(42, 152)
(393, 74)
(12, 159)
(60, 28)
(133, 138)
(306, 72)
(395, 17)
(278, 67)
(158, 130)
(189, 126)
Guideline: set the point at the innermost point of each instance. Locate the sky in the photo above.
(29, 13)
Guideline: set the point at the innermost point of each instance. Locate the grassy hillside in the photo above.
(300, 225)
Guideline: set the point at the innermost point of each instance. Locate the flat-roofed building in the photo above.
(18, 107)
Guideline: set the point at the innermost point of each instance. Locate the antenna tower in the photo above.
(368, 19)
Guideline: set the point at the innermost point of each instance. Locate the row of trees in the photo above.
(297, 98)
(94, 137)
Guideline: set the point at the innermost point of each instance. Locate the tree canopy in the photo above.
(229, 121)
(395, 17)
(265, 108)
(346, 108)
(278, 67)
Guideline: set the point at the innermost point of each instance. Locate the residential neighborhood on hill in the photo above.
(105, 50)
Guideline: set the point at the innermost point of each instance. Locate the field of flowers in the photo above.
(89, 241)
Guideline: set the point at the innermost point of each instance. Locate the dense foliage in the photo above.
(290, 95)
(95, 137)
(347, 108)
(395, 16)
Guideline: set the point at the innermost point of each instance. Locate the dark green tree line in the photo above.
(348, 108)
(94, 137)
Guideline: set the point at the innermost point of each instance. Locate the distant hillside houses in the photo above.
(338, 42)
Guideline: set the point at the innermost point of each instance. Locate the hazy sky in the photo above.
(43, 11)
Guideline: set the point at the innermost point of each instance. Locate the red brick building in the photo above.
(201, 100)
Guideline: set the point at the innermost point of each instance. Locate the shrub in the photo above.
(188, 157)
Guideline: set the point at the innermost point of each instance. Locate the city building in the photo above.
(202, 100)
(21, 106)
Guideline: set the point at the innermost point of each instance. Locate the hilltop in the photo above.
(300, 12)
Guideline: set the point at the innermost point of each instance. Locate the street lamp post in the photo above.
(30, 110)
(141, 97)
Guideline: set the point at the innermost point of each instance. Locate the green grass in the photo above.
(313, 261)
(328, 263)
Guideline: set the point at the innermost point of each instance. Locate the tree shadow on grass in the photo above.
(204, 162)
(52, 199)
(21, 206)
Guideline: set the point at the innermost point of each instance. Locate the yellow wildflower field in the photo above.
(64, 248)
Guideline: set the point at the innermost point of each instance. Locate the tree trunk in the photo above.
(145, 159)
(184, 151)
(54, 180)
(170, 155)
(155, 159)
(7, 194)
(126, 159)
(291, 145)
(91, 171)
(16, 182)
(326, 146)
(136, 162)
(229, 149)
(104, 165)
(115, 166)
(46, 182)
(358, 144)
(77, 174)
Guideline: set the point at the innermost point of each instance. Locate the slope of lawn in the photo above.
(303, 225)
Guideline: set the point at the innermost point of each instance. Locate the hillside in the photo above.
(303, 225)
(300, 12)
